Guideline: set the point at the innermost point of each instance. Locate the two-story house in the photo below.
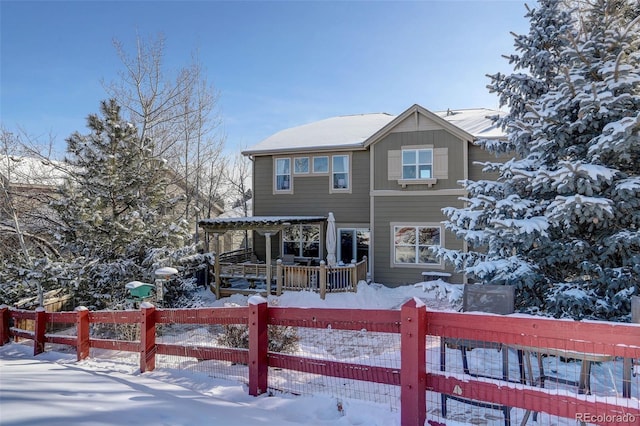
(385, 178)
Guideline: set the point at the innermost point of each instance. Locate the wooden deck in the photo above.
(320, 279)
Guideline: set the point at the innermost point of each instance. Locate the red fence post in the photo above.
(5, 328)
(147, 337)
(258, 345)
(82, 332)
(39, 331)
(413, 371)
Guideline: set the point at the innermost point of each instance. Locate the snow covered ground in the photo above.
(54, 389)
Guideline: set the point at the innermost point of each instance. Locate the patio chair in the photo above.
(496, 299)
(288, 259)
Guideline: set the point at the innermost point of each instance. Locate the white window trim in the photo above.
(417, 180)
(356, 229)
(275, 176)
(392, 260)
(313, 171)
(346, 190)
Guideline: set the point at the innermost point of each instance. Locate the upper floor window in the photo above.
(412, 244)
(340, 172)
(417, 164)
(320, 164)
(301, 165)
(283, 174)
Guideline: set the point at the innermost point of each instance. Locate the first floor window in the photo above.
(340, 171)
(283, 174)
(301, 240)
(412, 244)
(417, 164)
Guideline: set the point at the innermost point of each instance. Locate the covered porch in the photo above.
(276, 273)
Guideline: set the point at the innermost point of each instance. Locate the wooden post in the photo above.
(413, 329)
(267, 235)
(147, 337)
(278, 277)
(354, 276)
(82, 331)
(5, 324)
(216, 265)
(258, 345)
(323, 279)
(40, 330)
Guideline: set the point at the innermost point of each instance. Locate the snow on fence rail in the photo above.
(418, 371)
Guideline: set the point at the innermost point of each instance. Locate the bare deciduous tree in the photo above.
(178, 113)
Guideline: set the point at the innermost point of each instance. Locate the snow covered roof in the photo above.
(32, 171)
(337, 132)
(351, 131)
(256, 222)
(476, 121)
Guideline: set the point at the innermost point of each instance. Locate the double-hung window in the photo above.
(412, 244)
(340, 172)
(417, 163)
(283, 174)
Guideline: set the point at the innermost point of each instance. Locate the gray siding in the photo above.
(437, 138)
(476, 153)
(311, 193)
(414, 209)
(311, 196)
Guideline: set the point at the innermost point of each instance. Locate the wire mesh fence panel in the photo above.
(199, 338)
(340, 353)
(61, 333)
(203, 343)
(568, 380)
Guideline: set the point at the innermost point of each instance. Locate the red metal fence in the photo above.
(418, 374)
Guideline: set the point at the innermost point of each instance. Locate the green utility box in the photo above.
(139, 290)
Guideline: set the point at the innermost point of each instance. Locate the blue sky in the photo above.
(275, 64)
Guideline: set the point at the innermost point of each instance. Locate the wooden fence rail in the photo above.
(413, 322)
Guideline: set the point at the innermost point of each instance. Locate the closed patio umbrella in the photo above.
(331, 240)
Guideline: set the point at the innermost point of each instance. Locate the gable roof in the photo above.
(359, 131)
(347, 131)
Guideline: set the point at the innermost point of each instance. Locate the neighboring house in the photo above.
(236, 240)
(385, 178)
(33, 182)
(30, 184)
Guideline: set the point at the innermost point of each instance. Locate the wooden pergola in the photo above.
(266, 226)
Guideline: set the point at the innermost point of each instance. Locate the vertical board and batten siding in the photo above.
(403, 207)
(311, 194)
(438, 138)
(414, 210)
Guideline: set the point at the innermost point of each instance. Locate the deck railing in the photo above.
(321, 279)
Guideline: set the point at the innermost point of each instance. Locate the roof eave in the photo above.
(307, 149)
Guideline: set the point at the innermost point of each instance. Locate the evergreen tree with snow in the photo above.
(113, 210)
(562, 222)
